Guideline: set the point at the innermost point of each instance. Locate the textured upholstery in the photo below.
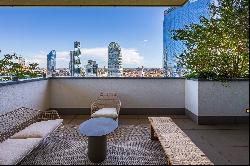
(105, 112)
(38, 129)
(14, 121)
(13, 150)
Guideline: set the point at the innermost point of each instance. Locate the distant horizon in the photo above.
(106, 67)
(34, 32)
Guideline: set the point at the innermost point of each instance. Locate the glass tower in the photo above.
(51, 62)
(177, 18)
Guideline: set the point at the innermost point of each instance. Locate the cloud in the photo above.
(40, 58)
(99, 52)
(145, 41)
(62, 55)
(130, 56)
(62, 59)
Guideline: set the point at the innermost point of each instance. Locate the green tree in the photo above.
(218, 47)
(9, 67)
(32, 68)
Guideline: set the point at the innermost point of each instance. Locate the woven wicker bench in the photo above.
(178, 147)
(15, 145)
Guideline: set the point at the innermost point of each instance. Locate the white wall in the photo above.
(203, 98)
(31, 94)
(223, 99)
(133, 93)
(213, 98)
(191, 96)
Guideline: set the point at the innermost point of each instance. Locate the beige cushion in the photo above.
(105, 112)
(13, 150)
(38, 129)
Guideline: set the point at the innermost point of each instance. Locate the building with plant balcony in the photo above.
(91, 69)
(114, 60)
(75, 62)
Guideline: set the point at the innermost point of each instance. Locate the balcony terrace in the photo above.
(223, 135)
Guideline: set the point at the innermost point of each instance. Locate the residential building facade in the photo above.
(114, 60)
(75, 62)
(91, 69)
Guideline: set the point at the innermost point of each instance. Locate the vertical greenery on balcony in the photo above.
(218, 47)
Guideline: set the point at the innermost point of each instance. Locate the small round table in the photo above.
(96, 130)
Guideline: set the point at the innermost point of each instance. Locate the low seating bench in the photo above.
(22, 130)
(178, 147)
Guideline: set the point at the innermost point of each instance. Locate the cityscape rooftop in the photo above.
(159, 83)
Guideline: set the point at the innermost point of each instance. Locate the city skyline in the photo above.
(33, 32)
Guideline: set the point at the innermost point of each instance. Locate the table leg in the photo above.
(97, 147)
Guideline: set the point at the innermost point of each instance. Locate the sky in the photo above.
(33, 32)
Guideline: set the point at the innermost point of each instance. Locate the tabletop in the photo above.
(98, 126)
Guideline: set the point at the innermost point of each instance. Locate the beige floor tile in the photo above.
(66, 120)
(67, 116)
(77, 121)
(128, 117)
(82, 116)
(143, 116)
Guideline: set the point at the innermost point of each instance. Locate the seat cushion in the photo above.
(105, 112)
(38, 129)
(13, 150)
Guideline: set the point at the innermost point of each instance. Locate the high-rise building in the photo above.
(177, 18)
(91, 69)
(51, 62)
(74, 64)
(114, 60)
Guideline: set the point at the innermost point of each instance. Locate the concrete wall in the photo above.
(205, 101)
(213, 102)
(191, 96)
(223, 99)
(33, 94)
(133, 93)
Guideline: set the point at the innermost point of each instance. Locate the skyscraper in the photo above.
(74, 64)
(91, 69)
(51, 62)
(114, 60)
(177, 18)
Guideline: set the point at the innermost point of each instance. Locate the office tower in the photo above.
(51, 62)
(74, 64)
(114, 60)
(91, 69)
(177, 18)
